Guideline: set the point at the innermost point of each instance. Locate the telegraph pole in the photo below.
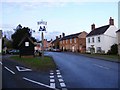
(42, 28)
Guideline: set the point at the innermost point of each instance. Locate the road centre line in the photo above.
(101, 66)
(39, 83)
(10, 70)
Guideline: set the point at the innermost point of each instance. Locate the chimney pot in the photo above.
(56, 37)
(63, 34)
(60, 36)
(111, 21)
(93, 26)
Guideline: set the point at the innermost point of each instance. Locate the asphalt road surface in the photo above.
(84, 72)
(20, 79)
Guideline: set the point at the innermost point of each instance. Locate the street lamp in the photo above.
(42, 27)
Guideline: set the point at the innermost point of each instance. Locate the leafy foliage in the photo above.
(113, 50)
(19, 34)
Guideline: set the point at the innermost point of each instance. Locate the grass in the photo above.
(107, 57)
(36, 63)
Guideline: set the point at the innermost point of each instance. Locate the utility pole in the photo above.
(42, 46)
(42, 28)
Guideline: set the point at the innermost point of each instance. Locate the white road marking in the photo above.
(52, 80)
(62, 85)
(22, 68)
(52, 85)
(57, 70)
(10, 70)
(58, 73)
(60, 80)
(38, 83)
(51, 73)
(51, 76)
(101, 66)
(0, 62)
(59, 76)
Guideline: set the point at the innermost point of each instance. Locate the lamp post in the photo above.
(42, 27)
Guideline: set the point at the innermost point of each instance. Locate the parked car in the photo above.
(56, 50)
(14, 51)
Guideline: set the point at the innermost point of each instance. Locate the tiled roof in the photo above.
(55, 40)
(118, 30)
(98, 31)
(70, 36)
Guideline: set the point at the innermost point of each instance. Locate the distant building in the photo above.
(26, 47)
(118, 41)
(55, 43)
(74, 42)
(100, 39)
(0, 41)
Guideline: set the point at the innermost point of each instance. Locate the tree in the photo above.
(19, 34)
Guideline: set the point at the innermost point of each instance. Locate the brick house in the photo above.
(74, 42)
(55, 43)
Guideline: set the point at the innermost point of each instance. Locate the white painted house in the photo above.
(99, 40)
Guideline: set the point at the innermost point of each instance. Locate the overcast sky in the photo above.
(66, 16)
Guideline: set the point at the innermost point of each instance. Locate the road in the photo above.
(84, 72)
(23, 77)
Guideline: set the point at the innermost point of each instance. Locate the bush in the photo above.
(113, 50)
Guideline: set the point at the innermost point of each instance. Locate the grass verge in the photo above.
(37, 63)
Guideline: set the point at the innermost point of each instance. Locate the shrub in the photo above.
(113, 50)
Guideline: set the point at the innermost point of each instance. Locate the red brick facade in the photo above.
(75, 43)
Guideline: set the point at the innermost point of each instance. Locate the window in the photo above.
(88, 40)
(98, 39)
(74, 40)
(66, 40)
(93, 40)
(70, 40)
(26, 44)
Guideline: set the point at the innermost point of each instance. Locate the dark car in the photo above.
(14, 51)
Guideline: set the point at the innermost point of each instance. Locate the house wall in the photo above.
(74, 45)
(106, 40)
(118, 42)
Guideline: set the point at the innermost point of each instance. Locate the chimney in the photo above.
(93, 26)
(111, 21)
(56, 37)
(51, 40)
(63, 34)
(60, 36)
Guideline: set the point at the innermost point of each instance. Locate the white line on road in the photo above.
(51, 76)
(51, 73)
(101, 66)
(52, 80)
(9, 70)
(38, 83)
(52, 85)
(62, 85)
(59, 76)
(0, 62)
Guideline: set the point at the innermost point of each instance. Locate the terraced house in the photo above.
(74, 42)
(100, 39)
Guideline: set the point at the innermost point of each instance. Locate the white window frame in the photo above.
(27, 44)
